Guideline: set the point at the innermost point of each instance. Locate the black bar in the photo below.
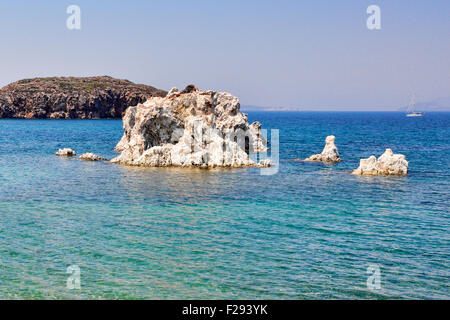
(221, 309)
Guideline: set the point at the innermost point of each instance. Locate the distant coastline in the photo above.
(438, 105)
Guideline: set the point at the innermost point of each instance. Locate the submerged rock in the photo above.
(66, 152)
(89, 156)
(190, 128)
(387, 164)
(329, 154)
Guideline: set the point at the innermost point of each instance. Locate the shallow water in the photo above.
(307, 232)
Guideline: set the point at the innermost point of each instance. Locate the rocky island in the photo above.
(72, 98)
(190, 128)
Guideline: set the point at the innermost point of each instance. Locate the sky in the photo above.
(310, 54)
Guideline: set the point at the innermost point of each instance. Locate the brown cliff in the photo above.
(72, 98)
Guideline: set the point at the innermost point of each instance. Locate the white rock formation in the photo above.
(89, 156)
(66, 152)
(387, 164)
(329, 154)
(190, 128)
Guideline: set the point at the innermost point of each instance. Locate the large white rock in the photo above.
(387, 164)
(329, 154)
(189, 128)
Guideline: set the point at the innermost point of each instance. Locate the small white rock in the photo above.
(329, 154)
(66, 152)
(89, 156)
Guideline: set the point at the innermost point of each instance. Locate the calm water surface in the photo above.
(308, 232)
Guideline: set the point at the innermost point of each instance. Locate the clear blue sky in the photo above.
(269, 53)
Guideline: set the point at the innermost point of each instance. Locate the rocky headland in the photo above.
(190, 128)
(72, 98)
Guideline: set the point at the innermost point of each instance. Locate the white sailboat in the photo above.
(411, 112)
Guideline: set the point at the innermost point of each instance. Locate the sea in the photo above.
(72, 229)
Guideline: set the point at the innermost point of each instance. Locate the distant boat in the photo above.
(411, 112)
(416, 114)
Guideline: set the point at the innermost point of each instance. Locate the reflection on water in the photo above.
(178, 185)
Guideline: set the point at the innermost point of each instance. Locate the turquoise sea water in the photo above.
(308, 232)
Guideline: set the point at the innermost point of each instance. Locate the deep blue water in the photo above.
(307, 232)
